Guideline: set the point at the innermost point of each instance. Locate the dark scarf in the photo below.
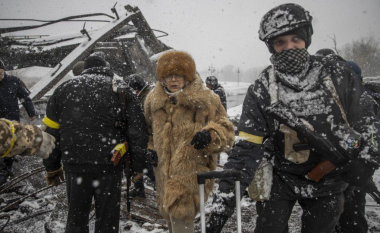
(291, 67)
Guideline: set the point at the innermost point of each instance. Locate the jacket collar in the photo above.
(194, 96)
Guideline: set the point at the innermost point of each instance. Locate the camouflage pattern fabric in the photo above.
(28, 139)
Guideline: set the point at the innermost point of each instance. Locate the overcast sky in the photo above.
(217, 32)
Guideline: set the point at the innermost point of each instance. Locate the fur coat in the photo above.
(171, 129)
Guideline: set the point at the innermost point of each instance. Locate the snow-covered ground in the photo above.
(232, 89)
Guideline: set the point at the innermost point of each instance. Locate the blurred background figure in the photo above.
(212, 84)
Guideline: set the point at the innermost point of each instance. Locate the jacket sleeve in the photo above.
(220, 128)
(247, 153)
(222, 95)
(23, 96)
(148, 120)
(19, 139)
(137, 132)
(51, 120)
(360, 110)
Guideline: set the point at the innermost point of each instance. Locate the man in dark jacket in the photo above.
(12, 90)
(212, 84)
(353, 220)
(137, 83)
(325, 96)
(84, 115)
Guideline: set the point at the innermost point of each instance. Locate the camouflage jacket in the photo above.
(27, 138)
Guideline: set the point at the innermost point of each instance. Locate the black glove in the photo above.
(152, 157)
(357, 172)
(216, 223)
(201, 140)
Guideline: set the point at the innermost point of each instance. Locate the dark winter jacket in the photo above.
(314, 104)
(219, 90)
(84, 115)
(143, 94)
(13, 89)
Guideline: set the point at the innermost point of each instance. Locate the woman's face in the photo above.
(282, 43)
(174, 82)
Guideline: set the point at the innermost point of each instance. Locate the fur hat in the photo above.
(176, 62)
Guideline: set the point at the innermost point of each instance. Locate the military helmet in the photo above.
(212, 81)
(283, 19)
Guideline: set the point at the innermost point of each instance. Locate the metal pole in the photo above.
(202, 205)
(238, 207)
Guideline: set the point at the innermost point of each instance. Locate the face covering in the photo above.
(291, 61)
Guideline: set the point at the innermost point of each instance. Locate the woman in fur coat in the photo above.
(188, 127)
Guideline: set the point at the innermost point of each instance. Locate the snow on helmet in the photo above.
(282, 19)
(212, 81)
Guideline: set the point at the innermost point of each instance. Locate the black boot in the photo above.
(139, 189)
(216, 223)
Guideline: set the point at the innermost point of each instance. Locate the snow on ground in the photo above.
(235, 88)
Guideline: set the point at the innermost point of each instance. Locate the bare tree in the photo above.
(335, 44)
(366, 53)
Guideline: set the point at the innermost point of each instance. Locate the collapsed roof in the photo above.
(127, 40)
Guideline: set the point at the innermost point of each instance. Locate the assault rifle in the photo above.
(323, 146)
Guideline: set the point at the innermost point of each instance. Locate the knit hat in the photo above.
(136, 82)
(324, 52)
(176, 62)
(78, 68)
(94, 61)
(2, 66)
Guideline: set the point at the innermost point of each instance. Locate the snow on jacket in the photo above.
(13, 89)
(316, 105)
(84, 115)
(171, 128)
(219, 90)
(27, 138)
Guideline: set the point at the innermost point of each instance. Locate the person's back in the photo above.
(88, 115)
(89, 121)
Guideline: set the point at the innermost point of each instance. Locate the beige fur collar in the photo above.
(194, 96)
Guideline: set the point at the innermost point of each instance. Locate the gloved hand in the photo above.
(357, 172)
(216, 223)
(201, 140)
(152, 157)
(55, 177)
(47, 146)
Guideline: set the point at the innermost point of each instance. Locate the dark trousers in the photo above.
(106, 190)
(139, 184)
(320, 215)
(353, 220)
(6, 164)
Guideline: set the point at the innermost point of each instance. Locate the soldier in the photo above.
(317, 96)
(24, 140)
(212, 84)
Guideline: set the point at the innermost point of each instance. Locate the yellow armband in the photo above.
(251, 138)
(13, 136)
(50, 123)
